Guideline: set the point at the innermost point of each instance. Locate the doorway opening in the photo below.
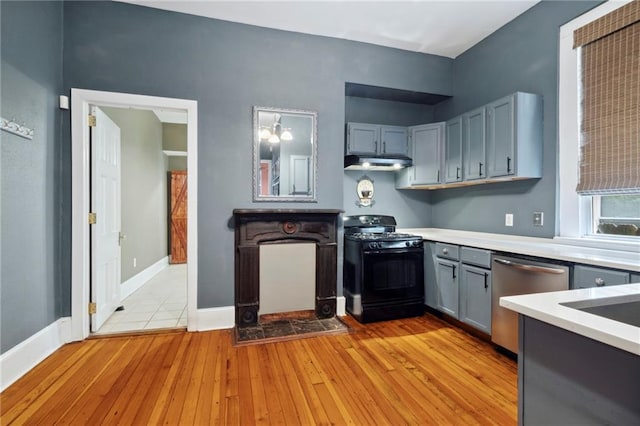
(144, 264)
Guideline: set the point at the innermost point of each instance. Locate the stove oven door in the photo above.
(390, 275)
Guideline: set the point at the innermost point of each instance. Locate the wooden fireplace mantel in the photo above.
(254, 227)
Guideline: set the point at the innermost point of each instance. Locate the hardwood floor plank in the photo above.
(161, 403)
(142, 404)
(64, 392)
(411, 371)
(203, 408)
(113, 383)
(293, 385)
(33, 385)
(303, 366)
(259, 388)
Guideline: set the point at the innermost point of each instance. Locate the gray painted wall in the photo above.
(126, 48)
(410, 208)
(377, 111)
(521, 56)
(31, 69)
(144, 189)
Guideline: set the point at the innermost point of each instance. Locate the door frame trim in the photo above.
(80, 196)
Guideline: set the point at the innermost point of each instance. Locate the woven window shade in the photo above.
(610, 128)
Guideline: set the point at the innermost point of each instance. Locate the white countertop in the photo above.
(531, 246)
(547, 307)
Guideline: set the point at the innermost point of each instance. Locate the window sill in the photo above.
(605, 243)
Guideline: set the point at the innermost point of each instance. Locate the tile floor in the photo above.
(160, 303)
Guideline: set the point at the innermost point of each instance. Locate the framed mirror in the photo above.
(284, 154)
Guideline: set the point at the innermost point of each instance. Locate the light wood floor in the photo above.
(411, 371)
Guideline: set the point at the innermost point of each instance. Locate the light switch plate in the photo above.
(508, 219)
(538, 218)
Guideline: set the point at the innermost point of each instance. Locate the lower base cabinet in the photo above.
(448, 287)
(475, 297)
(589, 276)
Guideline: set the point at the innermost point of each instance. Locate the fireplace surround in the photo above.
(254, 227)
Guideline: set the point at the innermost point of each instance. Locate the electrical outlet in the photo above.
(538, 218)
(508, 219)
(135, 262)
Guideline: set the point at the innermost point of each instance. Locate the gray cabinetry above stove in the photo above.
(373, 139)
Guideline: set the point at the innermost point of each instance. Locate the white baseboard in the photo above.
(17, 361)
(213, 319)
(341, 304)
(135, 282)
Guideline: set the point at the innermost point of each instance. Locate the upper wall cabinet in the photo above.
(425, 148)
(514, 136)
(474, 144)
(497, 142)
(453, 151)
(372, 139)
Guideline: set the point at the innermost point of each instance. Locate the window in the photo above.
(601, 203)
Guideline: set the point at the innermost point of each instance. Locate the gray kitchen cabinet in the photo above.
(447, 278)
(430, 275)
(374, 139)
(474, 144)
(453, 151)
(589, 276)
(514, 136)
(362, 138)
(475, 288)
(394, 140)
(425, 148)
(635, 278)
(475, 297)
(448, 286)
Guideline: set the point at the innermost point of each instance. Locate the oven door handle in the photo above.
(393, 251)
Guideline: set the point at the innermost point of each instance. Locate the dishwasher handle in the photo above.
(530, 268)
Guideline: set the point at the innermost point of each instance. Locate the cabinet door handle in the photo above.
(599, 282)
(485, 280)
(438, 176)
(384, 146)
(508, 164)
(457, 172)
(480, 169)
(453, 271)
(376, 146)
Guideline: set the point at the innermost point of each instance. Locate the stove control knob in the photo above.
(373, 245)
(408, 243)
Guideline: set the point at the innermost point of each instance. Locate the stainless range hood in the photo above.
(370, 162)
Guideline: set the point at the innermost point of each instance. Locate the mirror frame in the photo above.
(256, 156)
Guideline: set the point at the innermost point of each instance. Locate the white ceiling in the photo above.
(446, 27)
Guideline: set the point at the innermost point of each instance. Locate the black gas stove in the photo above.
(383, 269)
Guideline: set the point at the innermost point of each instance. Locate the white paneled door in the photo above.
(105, 203)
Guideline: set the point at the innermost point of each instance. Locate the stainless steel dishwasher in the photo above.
(513, 276)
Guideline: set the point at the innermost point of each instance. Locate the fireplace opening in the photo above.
(287, 278)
